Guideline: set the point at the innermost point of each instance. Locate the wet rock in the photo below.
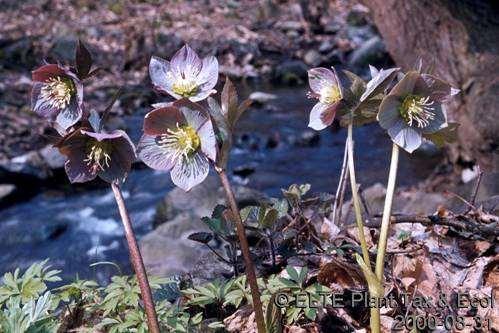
(17, 53)
(370, 52)
(291, 72)
(313, 58)
(358, 15)
(326, 46)
(244, 170)
(40, 163)
(168, 251)
(308, 138)
(260, 97)
(201, 200)
(290, 25)
(6, 190)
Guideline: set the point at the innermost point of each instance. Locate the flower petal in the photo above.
(39, 105)
(100, 136)
(77, 170)
(161, 75)
(70, 115)
(154, 155)
(194, 113)
(404, 136)
(208, 76)
(440, 91)
(208, 140)
(74, 147)
(378, 83)
(438, 122)
(321, 77)
(46, 72)
(158, 121)
(190, 171)
(322, 115)
(406, 85)
(186, 63)
(388, 113)
(122, 157)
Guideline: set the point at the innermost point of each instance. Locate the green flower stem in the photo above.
(137, 262)
(250, 267)
(387, 210)
(355, 198)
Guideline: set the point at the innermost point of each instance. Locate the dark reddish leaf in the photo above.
(83, 60)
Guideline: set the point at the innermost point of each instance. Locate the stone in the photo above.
(261, 97)
(312, 58)
(308, 138)
(369, 52)
(6, 190)
(39, 163)
(358, 15)
(291, 72)
(167, 250)
(202, 199)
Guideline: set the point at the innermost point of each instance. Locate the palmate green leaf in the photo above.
(29, 285)
(32, 317)
(293, 274)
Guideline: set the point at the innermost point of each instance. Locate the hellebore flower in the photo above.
(57, 95)
(326, 87)
(186, 75)
(413, 108)
(91, 154)
(179, 138)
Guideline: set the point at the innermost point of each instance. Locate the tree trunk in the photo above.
(460, 39)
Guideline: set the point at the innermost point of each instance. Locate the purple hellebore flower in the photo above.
(179, 138)
(326, 87)
(57, 95)
(91, 154)
(414, 108)
(186, 76)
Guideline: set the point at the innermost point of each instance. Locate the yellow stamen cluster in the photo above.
(417, 109)
(185, 87)
(330, 94)
(98, 156)
(58, 91)
(184, 140)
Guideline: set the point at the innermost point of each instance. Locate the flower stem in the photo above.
(250, 268)
(137, 262)
(387, 210)
(355, 198)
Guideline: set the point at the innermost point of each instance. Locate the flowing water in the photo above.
(77, 228)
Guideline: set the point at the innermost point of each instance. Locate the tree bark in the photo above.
(460, 39)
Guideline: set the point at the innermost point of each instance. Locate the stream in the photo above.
(273, 150)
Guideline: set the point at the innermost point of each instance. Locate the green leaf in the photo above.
(269, 218)
(443, 136)
(201, 237)
(293, 273)
(273, 317)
